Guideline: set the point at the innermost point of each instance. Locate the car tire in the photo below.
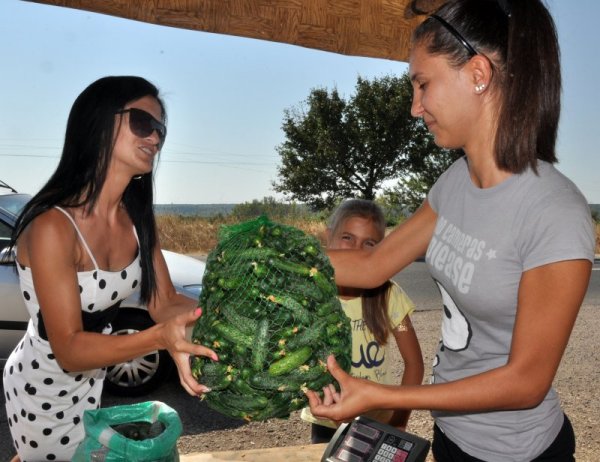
(140, 375)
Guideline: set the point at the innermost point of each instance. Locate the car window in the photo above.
(14, 203)
(5, 232)
(10, 207)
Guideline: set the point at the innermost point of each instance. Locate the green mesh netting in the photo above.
(271, 312)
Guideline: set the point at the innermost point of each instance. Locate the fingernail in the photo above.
(206, 390)
(198, 311)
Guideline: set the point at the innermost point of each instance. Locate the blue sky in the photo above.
(225, 95)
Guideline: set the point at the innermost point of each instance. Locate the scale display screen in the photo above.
(366, 440)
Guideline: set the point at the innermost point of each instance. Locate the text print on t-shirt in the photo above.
(372, 355)
(454, 252)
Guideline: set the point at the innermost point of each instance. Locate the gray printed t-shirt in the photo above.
(483, 241)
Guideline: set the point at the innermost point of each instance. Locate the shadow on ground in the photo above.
(195, 415)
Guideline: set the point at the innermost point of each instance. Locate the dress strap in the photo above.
(137, 239)
(87, 248)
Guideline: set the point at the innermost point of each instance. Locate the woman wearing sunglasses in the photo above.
(85, 242)
(507, 238)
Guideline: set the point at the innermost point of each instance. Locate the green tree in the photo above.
(412, 188)
(336, 149)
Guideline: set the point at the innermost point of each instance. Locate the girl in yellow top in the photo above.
(374, 315)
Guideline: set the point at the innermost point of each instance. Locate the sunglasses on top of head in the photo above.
(142, 124)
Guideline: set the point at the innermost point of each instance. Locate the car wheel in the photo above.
(140, 375)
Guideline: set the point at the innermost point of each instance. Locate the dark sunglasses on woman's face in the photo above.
(142, 124)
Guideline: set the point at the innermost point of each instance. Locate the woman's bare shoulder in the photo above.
(50, 230)
(52, 221)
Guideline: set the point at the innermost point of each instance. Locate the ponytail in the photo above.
(528, 122)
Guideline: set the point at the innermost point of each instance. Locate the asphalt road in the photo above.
(414, 279)
(417, 283)
(419, 286)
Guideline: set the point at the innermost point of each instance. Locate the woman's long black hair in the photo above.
(519, 38)
(86, 155)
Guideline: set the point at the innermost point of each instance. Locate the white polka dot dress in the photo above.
(44, 403)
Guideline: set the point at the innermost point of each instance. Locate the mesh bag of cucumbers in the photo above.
(271, 312)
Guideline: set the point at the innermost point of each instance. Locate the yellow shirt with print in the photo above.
(369, 359)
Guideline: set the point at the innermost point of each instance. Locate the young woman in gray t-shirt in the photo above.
(508, 240)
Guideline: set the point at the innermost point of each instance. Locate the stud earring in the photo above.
(479, 88)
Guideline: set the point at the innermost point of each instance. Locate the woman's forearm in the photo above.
(371, 268)
(175, 305)
(499, 389)
(90, 350)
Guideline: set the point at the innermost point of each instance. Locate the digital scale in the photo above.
(366, 440)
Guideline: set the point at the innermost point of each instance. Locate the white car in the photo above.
(133, 378)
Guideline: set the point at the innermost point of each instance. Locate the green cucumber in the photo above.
(325, 309)
(212, 368)
(273, 409)
(244, 324)
(290, 361)
(320, 382)
(259, 349)
(246, 308)
(290, 267)
(333, 330)
(275, 231)
(244, 269)
(324, 283)
(252, 254)
(241, 387)
(215, 376)
(259, 269)
(286, 333)
(298, 311)
(217, 385)
(308, 374)
(244, 402)
(311, 249)
(265, 381)
(232, 334)
(229, 283)
(298, 403)
(303, 289)
(196, 366)
(215, 401)
(307, 336)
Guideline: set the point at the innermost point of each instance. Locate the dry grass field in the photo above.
(198, 235)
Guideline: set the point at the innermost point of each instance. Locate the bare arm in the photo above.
(398, 249)
(549, 299)
(410, 350)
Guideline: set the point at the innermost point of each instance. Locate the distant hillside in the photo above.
(211, 210)
(189, 210)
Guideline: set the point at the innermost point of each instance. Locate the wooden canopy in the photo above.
(373, 28)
